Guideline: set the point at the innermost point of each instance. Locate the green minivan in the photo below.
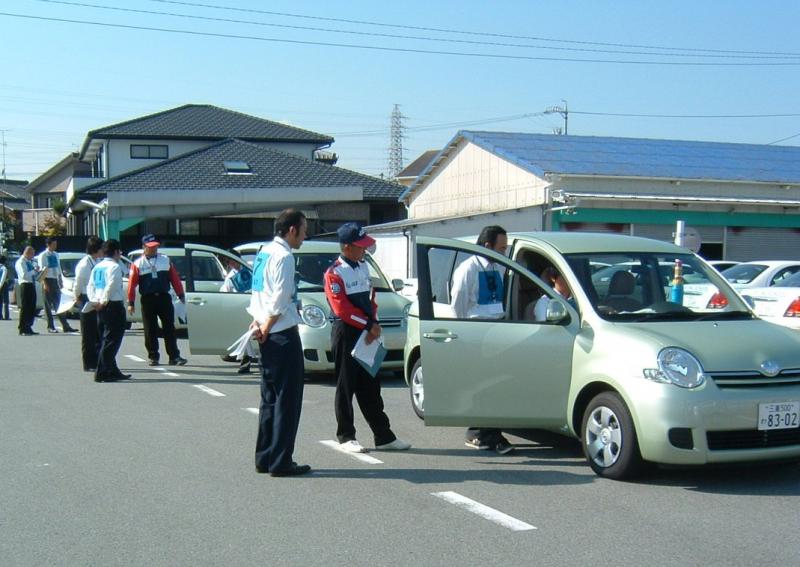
(623, 365)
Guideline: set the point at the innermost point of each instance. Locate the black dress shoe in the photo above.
(122, 376)
(294, 470)
(260, 470)
(70, 330)
(105, 378)
(179, 361)
(152, 362)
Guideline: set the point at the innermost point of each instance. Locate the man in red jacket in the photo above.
(349, 291)
(153, 273)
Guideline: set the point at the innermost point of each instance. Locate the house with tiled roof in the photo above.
(204, 173)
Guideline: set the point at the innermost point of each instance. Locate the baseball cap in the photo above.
(354, 233)
(149, 240)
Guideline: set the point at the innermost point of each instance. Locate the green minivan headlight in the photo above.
(313, 316)
(676, 366)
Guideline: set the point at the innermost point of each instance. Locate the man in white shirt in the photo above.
(477, 293)
(5, 278)
(105, 292)
(27, 272)
(90, 338)
(51, 285)
(274, 308)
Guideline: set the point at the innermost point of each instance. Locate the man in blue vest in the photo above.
(477, 293)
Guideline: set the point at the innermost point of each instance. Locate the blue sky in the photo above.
(62, 79)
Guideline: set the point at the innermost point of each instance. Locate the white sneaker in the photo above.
(396, 445)
(352, 447)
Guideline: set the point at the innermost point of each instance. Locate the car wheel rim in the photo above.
(417, 389)
(603, 437)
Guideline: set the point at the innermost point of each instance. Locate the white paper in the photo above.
(366, 352)
(240, 345)
(66, 303)
(88, 307)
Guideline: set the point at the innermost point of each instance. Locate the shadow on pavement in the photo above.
(457, 476)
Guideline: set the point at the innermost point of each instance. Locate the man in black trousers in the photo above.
(274, 308)
(90, 339)
(27, 274)
(106, 294)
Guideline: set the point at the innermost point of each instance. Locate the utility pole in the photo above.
(396, 142)
(563, 111)
(3, 197)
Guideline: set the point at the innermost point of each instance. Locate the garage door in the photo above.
(746, 244)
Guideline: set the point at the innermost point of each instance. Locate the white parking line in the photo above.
(209, 391)
(165, 373)
(484, 511)
(134, 358)
(254, 411)
(363, 457)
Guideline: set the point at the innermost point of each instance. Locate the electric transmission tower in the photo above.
(396, 142)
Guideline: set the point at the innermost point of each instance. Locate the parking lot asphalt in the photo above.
(159, 471)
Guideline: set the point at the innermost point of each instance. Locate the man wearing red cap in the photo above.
(153, 273)
(349, 291)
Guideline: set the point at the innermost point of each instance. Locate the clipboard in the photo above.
(369, 356)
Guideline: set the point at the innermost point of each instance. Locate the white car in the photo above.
(722, 265)
(779, 303)
(741, 276)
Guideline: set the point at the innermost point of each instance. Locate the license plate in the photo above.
(778, 415)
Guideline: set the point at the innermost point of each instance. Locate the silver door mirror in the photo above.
(556, 311)
(397, 284)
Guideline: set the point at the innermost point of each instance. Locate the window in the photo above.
(149, 151)
(234, 167)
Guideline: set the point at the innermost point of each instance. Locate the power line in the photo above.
(403, 49)
(465, 32)
(397, 36)
(629, 115)
(783, 139)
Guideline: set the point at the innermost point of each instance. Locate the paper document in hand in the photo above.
(239, 347)
(371, 355)
(66, 303)
(180, 310)
(88, 307)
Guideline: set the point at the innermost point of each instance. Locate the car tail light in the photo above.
(717, 301)
(794, 309)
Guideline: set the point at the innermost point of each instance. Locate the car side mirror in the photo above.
(556, 311)
(398, 284)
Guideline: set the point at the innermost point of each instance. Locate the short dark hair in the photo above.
(287, 219)
(93, 245)
(489, 235)
(50, 239)
(111, 247)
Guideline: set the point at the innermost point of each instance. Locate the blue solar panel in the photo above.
(633, 157)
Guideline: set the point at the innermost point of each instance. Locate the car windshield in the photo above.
(791, 281)
(638, 287)
(205, 266)
(311, 268)
(68, 266)
(743, 273)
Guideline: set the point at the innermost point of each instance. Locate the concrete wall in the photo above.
(473, 180)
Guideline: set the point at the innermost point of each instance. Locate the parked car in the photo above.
(636, 378)
(741, 276)
(217, 319)
(208, 276)
(779, 303)
(722, 265)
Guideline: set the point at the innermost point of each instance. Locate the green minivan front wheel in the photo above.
(417, 389)
(609, 438)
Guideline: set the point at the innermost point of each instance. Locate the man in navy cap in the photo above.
(348, 288)
(153, 273)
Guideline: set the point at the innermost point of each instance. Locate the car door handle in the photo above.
(196, 301)
(441, 336)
